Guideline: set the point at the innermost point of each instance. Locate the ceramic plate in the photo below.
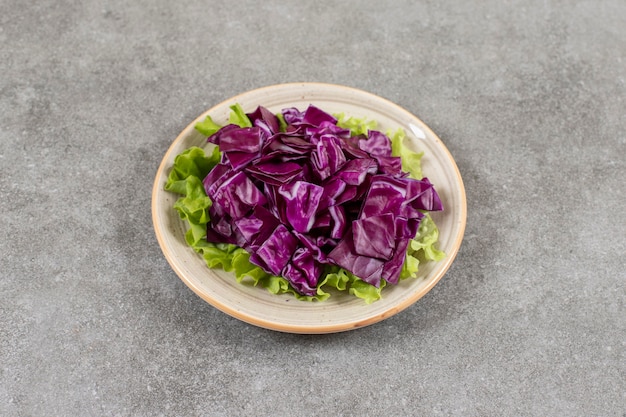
(284, 313)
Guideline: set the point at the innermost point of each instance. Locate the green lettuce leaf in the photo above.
(357, 125)
(207, 127)
(192, 162)
(424, 242)
(239, 117)
(282, 124)
(411, 161)
(341, 280)
(367, 292)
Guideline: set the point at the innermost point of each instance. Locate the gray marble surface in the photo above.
(529, 96)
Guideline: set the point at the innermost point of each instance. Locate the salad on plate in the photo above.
(306, 202)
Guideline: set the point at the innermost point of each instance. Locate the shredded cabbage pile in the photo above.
(307, 203)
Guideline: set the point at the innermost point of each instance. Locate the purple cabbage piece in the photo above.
(302, 199)
(220, 173)
(274, 173)
(375, 236)
(249, 227)
(241, 146)
(376, 144)
(315, 116)
(269, 221)
(303, 272)
(288, 144)
(254, 229)
(348, 194)
(265, 119)
(421, 194)
(367, 268)
(328, 157)
(245, 139)
(326, 128)
(393, 267)
(299, 280)
(390, 165)
(217, 232)
(276, 203)
(355, 171)
(292, 115)
(333, 188)
(338, 223)
(407, 228)
(216, 137)
(322, 220)
(276, 251)
(351, 148)
(312, 245)
(385, 195)
(238, 160)
(237, 195)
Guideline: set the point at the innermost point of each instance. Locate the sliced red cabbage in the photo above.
(311, 195)
(389, 165)
(338, 222)
(369, 269)
(375, 236)
(292, 115)
(246, 140)
(308, 271)
(302, 199)
(264, 119)
(274, 173)
(376, 144)
(237, 195)
(276, 251)
(393, 267)
(316, 117)
(385, 195)
(328, 157)
(421, 194)
(355, 171)
(333, 188)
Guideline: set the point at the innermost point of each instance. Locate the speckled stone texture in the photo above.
(527, 95)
